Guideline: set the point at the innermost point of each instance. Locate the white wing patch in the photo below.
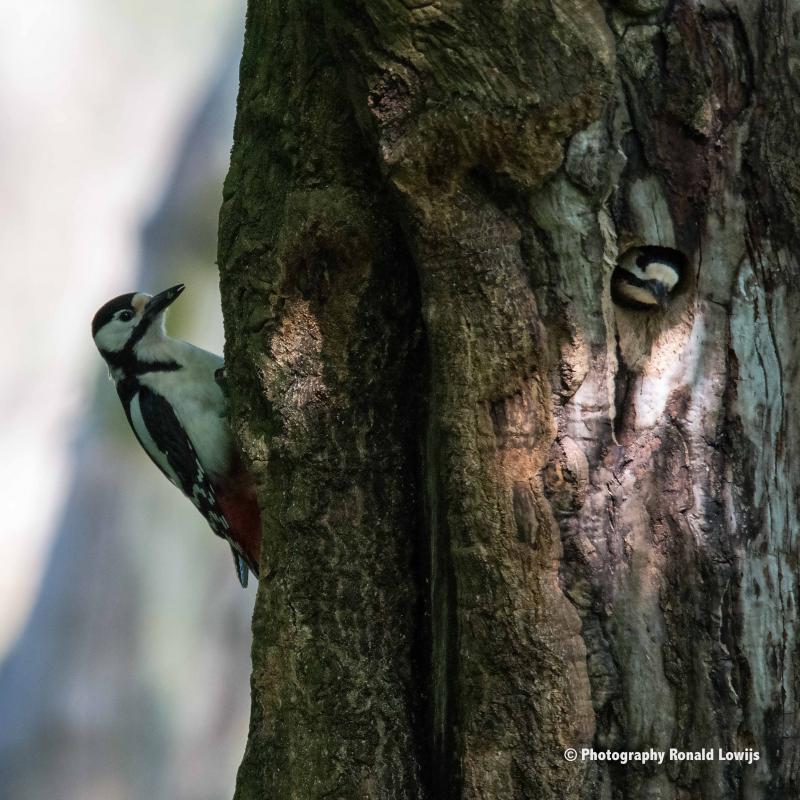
(148, 443)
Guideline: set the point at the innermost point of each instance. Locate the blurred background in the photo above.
(124, 635)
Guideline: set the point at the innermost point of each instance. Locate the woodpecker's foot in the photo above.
(221, 377)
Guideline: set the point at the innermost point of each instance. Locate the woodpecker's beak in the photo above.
(661, 294)
(160, 301)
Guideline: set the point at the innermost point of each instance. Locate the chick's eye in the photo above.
(125, 316)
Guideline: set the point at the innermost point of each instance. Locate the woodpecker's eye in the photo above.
(125, 316)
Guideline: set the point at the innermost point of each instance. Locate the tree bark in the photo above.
(503, 516)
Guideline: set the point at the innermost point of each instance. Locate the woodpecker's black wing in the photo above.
(177, 459)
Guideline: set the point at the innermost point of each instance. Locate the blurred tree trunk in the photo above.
(502, 516)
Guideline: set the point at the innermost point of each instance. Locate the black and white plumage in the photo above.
(177, 411)
(646, 277)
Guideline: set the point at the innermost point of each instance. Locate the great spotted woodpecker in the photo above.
(173, 400)
(645, 277)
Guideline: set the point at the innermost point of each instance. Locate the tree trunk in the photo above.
(502, 515)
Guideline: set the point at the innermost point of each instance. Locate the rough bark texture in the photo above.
(503, 516)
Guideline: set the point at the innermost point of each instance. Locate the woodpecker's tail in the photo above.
(243, 570)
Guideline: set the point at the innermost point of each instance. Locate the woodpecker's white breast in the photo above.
(197, 400)
(638, 294)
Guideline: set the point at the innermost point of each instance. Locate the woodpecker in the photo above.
(645, 277)
(173, 400)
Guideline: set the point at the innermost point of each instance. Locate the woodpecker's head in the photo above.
(646, 277)
(127, 326)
